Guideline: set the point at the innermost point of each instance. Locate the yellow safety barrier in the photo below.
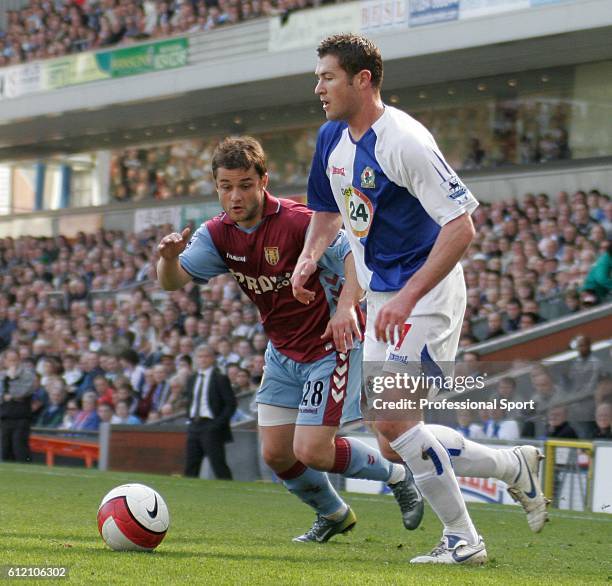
(549, 470)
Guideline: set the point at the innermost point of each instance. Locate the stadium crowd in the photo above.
(107, 344)
(182, 169)
(52, 28)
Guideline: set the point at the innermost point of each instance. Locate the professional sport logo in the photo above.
(456, 190)
(359, 210)
(368, 178)
(338, 171)
(271, 255)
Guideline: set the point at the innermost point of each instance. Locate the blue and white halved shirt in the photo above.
(394, 190)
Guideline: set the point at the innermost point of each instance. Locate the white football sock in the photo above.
(473, 459)
(433, 474)
(398, 473)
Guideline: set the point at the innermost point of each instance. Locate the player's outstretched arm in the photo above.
(170, 274)
(322, 230)
(451, 244)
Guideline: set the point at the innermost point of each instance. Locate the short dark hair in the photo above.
(355, 53)
(239, 152)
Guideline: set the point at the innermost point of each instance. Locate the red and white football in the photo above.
(133, 517)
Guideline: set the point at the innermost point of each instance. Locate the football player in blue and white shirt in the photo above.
(407, 214)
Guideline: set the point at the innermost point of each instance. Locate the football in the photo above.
(133, 517)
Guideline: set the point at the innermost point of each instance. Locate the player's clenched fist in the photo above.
(173, 244)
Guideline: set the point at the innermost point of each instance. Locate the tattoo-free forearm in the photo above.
(322, 230)
(351, 291)
(171, 275)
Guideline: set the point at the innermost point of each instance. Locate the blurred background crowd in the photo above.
(52, 28)
(107, 344)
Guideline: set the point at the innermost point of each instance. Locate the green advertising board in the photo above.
(144, 58)
(133, 60)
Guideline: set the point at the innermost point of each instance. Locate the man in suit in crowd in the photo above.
(211, 404)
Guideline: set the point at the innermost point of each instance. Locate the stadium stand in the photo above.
(44, 29)
(90, 318)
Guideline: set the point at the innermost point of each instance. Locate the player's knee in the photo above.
(278, 459)
(391, 430)
(314, 455)
(387, 452)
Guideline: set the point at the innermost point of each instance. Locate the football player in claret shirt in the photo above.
(312, 378)
(407, 216)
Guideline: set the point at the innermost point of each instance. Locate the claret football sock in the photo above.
(433, 474)
(473, 459)
(355, 459)
(313, 488)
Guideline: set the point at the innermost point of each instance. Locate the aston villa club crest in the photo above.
(271, 254)
(368, 179)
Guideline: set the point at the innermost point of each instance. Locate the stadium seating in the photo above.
(43, 30)
(74, 308)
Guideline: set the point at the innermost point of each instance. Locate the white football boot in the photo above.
(526, 488)
(454, 550)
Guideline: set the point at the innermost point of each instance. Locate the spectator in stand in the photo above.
(243, 384)
(87, 418)
(90, 365)
(571, 301)
(53, 414)
(161, 390)
(545, 394)
(132, 368)
(125, 392)
(584, 374)
(603, 419)
(17, 384)
(105, 412)
(467, 427)
(497, 425)
(494, 326)
(226, 355)
(256, 368)
(104, 389)
(506, 389)
(528, 320)
(598, 282)
(514, 311)
(72, 373)
(176, 403)
(586, 370)
(7, 327)
(70, 413)
(557, 424)
(122, 415)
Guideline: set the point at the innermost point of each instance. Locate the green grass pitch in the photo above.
(240, 533)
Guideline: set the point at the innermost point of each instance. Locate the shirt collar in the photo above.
(271, 206)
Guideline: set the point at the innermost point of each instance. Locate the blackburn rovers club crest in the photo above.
(368, 179)
(271, 254)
